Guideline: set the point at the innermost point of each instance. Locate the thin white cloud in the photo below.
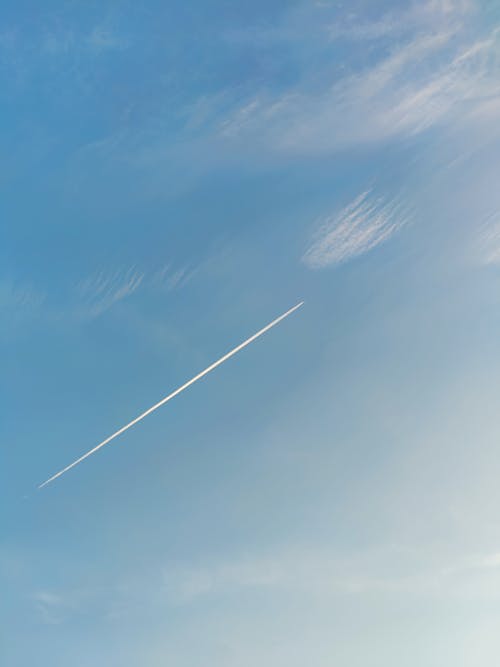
(489, 561)
(426, 65)
(89, 297)
(56, 607)
(184, 584)
(489, 240)
(59, 43)
(359, 227)
(176, 279)
(20, 303)
(67, 41)
(52, 608)
(422, 15)
(102, 290)
(172, 278)
(390, 568)
(102, 39)
(317, 571)
(17, 296)
(425, 78)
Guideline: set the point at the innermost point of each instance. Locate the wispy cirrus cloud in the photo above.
(15, 296)
(52, 608)
(58, 40)
(60, 606)
(425, 15)
(104, 289)
(425, 68)
(390, 568)
(489, 240)
(424, 82)
(427, 65)
(362, 225)
(19, 303)
(171, 278)
(23, 303)
(317, 571)
(102, 39)
(66, 41)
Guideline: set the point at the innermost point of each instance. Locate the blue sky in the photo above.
(174, 176)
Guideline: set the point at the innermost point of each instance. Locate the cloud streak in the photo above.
(428, 77)
(361, 226)
(102, 290)
(427, 66)
(19, 304)
(490, 240)
(173, 394)
(323, 572)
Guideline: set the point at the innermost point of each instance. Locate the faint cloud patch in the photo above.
(425, 65)
(19, 303)
(415, 81)
(362, 225)
(424, 15)
(104, 289)
(66, 41)
(103, 39)
(183, 585)
(52, 608)
(319, 572)
(16, 296)
(490, 561)
(8, 44)
(58, 43)
(101, 291)
(172, 278)
(489, 240)
(59, 607)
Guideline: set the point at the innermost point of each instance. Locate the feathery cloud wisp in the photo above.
(388, 568)
(19, 304)
(52, 607)
(15, 296)
(490, 240)
(363, 224)
(427, 78)
(103, 289)
(100, 291)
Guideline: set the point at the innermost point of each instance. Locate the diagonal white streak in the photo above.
(173, 394)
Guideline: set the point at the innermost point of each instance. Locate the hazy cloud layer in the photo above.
(489, 240)
(317, 572)
(418, 68)
(364, 224)
(390, 569)
(419, 84)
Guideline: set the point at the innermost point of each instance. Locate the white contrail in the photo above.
(174, 393)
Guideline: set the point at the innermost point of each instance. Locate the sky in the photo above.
(174, 176)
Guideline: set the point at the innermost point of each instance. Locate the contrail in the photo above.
(173, 394)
